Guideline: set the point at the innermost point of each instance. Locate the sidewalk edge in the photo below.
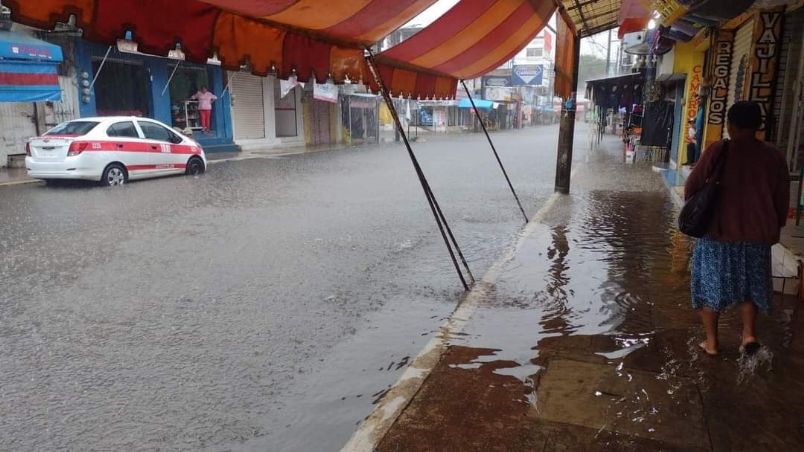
(396, 400)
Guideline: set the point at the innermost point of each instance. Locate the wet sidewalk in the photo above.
(585, 340)
(14, 176)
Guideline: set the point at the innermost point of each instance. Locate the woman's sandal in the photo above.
(702, 346)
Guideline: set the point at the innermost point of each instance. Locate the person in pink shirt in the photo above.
(205, 99)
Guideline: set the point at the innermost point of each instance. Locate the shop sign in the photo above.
(326, 92)
(127, 46)
(527, 74)
(692, 94)
(497, 81)
(765, 61)
(499, 93)
(720, 71)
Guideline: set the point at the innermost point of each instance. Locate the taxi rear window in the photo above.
(73, 128)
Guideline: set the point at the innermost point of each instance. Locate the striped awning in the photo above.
(471, 39)
(305, 36)
(28, 69)
(474, 37)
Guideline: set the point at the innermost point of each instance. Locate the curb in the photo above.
(19, 182)
(374, 427)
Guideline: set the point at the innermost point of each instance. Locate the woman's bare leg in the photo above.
(709, 319)
(748, 314)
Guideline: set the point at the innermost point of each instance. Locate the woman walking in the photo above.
(732, 263)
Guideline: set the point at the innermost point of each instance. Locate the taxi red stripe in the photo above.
(156, 167)
(112, 146)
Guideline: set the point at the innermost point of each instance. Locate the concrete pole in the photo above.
(566, 131)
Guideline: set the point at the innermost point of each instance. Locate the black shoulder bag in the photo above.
(696, 216)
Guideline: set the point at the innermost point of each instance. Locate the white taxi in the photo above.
(112, 150)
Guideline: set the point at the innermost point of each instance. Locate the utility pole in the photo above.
(566, 131)
(608, 56)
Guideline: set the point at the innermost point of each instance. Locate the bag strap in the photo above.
(721, 162)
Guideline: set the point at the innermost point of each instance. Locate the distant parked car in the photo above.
(112, 150)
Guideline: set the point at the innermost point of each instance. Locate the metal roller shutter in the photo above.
(739, 65)
(789, 61)
(248, 111)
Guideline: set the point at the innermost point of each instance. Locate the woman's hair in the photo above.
(745, 115)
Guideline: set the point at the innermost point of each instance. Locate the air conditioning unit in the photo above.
(634, 43)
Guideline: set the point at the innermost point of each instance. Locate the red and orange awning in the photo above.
(308, 36)
(312, 37)
(474, 37)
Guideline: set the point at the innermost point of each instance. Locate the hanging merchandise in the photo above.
(286, 86)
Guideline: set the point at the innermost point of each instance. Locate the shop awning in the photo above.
(481, 104)
(588, 17)
(28, 69)
(286, 36)
(471, 39)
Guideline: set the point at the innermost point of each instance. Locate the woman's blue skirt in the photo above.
(725, 274)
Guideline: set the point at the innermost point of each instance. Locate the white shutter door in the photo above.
(740, 61)
(249, 108)
(787, 75)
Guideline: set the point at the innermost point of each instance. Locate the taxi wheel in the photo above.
(114, 174)
(195, 167)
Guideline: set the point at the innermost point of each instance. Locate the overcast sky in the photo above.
(432, 13)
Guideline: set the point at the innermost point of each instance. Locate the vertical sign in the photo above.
(721, 66)
(692, 91)
(764, 63)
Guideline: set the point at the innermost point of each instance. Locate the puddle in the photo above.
(591, 321)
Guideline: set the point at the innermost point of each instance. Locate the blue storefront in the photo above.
(129, 83)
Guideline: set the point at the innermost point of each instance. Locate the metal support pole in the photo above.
(566, 132)
(170, 79)
(100, 68)
(494, 150)
(441, 221)
(228, 82)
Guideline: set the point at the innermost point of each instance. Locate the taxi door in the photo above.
(126, 145)
(161, 142)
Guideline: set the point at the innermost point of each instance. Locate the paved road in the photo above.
(262, 306)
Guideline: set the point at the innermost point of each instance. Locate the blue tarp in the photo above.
(28, 69)
(481, 104)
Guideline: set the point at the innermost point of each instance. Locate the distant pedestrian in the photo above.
(692, 134)
(732, 263)
(205, 99)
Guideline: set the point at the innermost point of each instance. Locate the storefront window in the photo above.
(286, 125)
(121, 89)
(186, 81)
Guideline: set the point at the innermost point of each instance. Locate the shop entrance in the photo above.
(121, 89)
(187, 80)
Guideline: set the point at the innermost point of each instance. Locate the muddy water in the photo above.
(588, 340)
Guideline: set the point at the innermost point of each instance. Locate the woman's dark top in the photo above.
(755, 191)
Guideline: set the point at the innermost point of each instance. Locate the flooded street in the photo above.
(586, 341)
(263, 306)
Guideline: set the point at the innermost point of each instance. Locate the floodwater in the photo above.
(263, 306)
(586, 340)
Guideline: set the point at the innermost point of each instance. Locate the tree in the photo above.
(590, 67)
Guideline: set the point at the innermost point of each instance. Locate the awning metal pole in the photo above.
(100, 68)
(171, 78)
(494, 150)
(441, 221)
(229, 83)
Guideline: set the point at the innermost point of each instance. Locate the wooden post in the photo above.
(566, 132)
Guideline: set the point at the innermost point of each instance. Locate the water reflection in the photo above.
(593, 319)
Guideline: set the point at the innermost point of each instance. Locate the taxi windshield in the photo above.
(73, 128)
